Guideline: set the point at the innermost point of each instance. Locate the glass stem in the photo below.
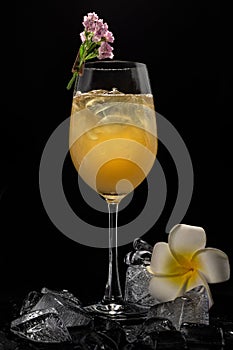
(113, 289)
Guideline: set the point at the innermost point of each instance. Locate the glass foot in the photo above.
(119, 312)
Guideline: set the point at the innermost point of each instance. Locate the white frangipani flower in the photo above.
(184, 263)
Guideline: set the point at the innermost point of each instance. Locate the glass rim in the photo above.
(111, 65)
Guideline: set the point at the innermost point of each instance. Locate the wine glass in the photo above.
(113, 146)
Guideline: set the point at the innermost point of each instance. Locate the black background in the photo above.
(187, 48)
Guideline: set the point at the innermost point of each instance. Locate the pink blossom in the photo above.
(95, 39)
(89, 21)
(109, 37)
(94, 25)
(105, 51)
(82, 37)
(100, 30)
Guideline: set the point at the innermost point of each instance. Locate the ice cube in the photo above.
(192, 307)
(201, 334)
(139, 244)
(81, 122)
(45, 326)
(150, 326)
(132, 331)
(140, 257)
(141, 254)
(137, 286)
(64, 294)
(31, 300)
(123, 111)
(158, 324)
(67, 307)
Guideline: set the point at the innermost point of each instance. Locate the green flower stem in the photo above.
(77, 68)
(87, 51)
(72, 80)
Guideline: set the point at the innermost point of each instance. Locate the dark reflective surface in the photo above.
(106, 334)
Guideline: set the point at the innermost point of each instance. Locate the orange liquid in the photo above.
(114, 158)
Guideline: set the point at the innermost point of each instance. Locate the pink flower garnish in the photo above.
(95, 43)
(105, 51)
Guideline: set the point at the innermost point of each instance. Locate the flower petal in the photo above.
(213, 263)
(167, 288)
(184, 240)
(197, 279)
(162, 261)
